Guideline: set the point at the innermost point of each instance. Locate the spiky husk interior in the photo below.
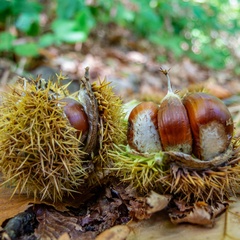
(147, 173)
(39, 149)
(217, 184)
(112, 128)
(141, 171)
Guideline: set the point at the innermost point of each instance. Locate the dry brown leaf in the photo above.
(199, 214)
(64, 236)
(157, 202)
(63, 226)
(232, 221)
(53, 224)
(159, 227)
(92, 218)
(11, 207)
(119, 232)
(218, 90)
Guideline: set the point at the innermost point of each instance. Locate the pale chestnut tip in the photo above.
(77, 117)
(211, 124)
(142, 128)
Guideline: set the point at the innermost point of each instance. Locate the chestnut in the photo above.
(211, 124)
(199, 124)
(173, 124)
(142, 128)
(76, 116)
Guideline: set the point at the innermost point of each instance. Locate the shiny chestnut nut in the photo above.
(211, 124)
(173, 124)
(200, 124)
(142, 128)
(76, 116)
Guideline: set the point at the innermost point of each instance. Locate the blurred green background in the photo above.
(205, 31)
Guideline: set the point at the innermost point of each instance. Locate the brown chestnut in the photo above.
(173, 124)
(211, 124)
(76, 116)
(142, 128)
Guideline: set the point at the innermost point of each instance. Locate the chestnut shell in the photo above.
(142, 132)
(76, 116)
(211, 124)
(173, 125)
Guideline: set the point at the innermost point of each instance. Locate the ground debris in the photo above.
(111, 205)
(199, 213)
(22, 223)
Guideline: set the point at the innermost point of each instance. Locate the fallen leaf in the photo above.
(157, 202)
(198, 214)
(232, 221)
(9, 207)
(52, 224)
(159, 227)
(64, 236)
(217, 90)
(119, 232)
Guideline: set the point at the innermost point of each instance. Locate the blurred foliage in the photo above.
(206, 31)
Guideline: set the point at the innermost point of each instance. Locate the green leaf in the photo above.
(46, 40)
(28, 23)
(26, 49)
(67, 9)
(66, 30)
(172, 43)
(62, 27)
(34, 29)
(75, 36)
(147, 20)
(5, 5)
(123, 15)
(84, 21)
(26, 6)
(6, 40)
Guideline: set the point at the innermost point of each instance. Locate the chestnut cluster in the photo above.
(198, 124)
(183, 147)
